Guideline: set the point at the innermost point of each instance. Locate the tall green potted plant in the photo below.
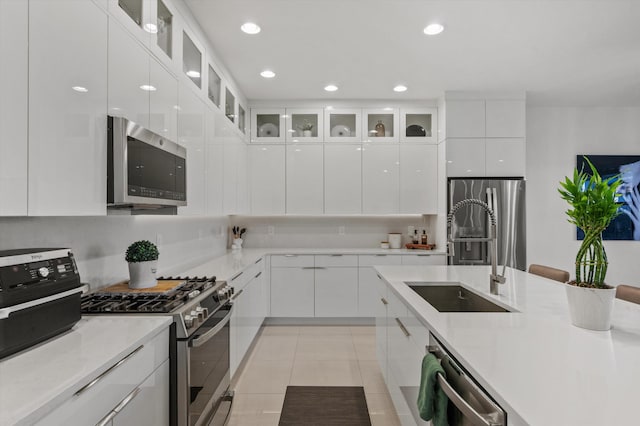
(143, 263)
(593, 204)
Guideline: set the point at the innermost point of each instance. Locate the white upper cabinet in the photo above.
(342, 125)
(129, 85)
(163, 117)
(418, 179)
(67, 108)
(267, 179)
(305, 189)
(268, 125)
(465, 118)
(506, 118)
(14, 76)
(135, 16)
(162, 26)
(192, 58)
(419, 125)
(466, 158)
(191, 136)
(505, 157)
(304, 125)
(380, 125)
(214, 172)
(243, 178)
(380, 179)
(343, 179)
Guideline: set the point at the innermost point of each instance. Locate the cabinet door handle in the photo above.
(235, 296)
(336, 255)
(258, 261)
(423, 255)
(109, 370)
(381, 255)
(384, 300)
(127, 399)
(313, 267)
(378, 275)
(239, 273)
(403, 328)
(290, 255)
(258, 274)
(107, 419)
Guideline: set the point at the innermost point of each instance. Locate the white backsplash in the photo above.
(324, 232)
(99, 243)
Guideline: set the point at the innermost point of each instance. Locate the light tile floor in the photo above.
(309, 356)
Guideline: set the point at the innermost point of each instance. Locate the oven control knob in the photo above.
(200, 313)
(188, 321)
(194, 294)
(205, 312)
(43, 272)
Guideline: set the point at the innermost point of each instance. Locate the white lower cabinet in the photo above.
(292, 291)
(424, 259)
(249, 311)
(379, 290)
(148, 407)
(336, 292)
(142, 379)
(368, 297)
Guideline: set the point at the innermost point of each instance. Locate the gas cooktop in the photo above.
(148, 302)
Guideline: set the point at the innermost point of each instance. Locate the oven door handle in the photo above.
(5, 312)
(195, 343)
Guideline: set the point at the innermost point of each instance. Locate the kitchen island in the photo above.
(541, 369)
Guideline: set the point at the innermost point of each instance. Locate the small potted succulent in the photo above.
(593, 202)
(143, 263)
(306, 129)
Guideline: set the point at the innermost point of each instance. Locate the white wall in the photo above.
(99, 243)
(555, 135)
(323, 232)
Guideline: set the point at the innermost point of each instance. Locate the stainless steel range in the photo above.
(199, 352)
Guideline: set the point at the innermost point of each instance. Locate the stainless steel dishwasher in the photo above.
(469, 404)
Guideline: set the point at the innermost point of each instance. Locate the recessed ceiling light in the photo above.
(193, 74)
(250, 28)
(400, 88)
(268, 74)
(331, 88)
(80, 89)
(433, 29)
(148, 88)
(151, 28)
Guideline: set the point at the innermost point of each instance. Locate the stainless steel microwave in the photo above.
(143, 168)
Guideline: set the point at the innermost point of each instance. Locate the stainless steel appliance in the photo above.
(471, 225)
(40, 294)
(143, 169)
(199, 354)
(469, 403)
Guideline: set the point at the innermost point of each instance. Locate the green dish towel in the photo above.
(432, 401)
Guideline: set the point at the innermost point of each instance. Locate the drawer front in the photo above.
(396, 307)
(379, 259)
(89, 406)
(336, 260)
(292, 260)
(424, 259)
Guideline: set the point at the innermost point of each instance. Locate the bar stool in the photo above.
(549, 272)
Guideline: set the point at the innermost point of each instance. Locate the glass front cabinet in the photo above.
(380, 125)
(419, 125)
(268, 125)
(304, 125)
(342, 125)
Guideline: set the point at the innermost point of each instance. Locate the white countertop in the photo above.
(34, 382)
(226, 266)
(534, 362)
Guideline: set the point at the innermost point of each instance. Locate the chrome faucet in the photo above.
(494, 278)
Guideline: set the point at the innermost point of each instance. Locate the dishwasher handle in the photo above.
(462, 405)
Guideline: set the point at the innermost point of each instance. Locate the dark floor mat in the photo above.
(325, 406)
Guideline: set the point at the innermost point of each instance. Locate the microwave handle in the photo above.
(5, 312)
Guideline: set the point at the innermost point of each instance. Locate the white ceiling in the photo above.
(562, 52)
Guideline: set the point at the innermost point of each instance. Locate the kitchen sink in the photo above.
(452, 297)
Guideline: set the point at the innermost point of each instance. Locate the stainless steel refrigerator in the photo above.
(506, 197)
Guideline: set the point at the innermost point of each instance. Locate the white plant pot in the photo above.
(590, 308)
(307, 133)
(237, 244)
(143, 274)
